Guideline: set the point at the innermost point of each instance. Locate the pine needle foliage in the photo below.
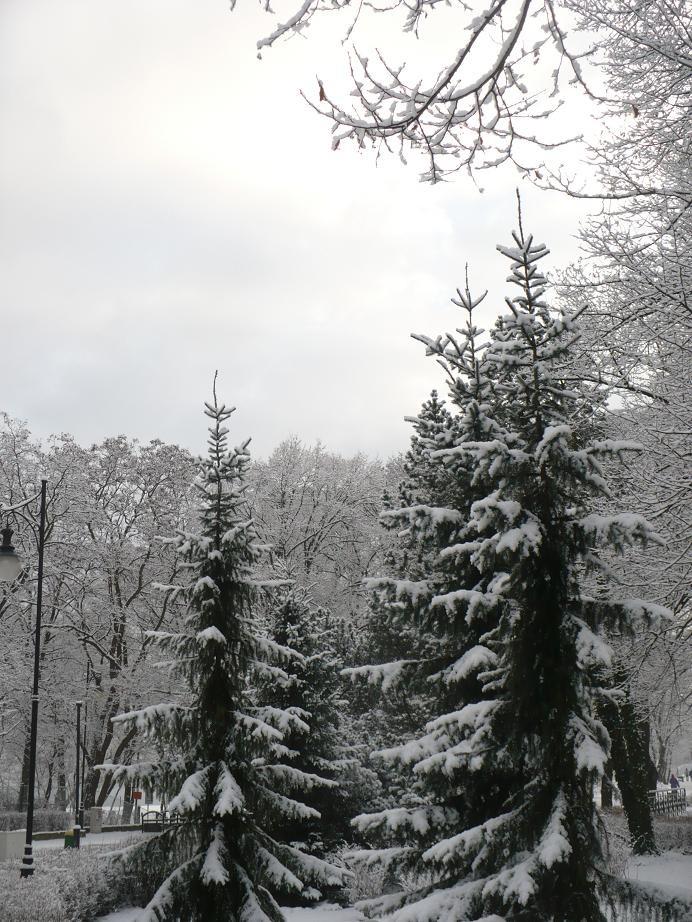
(227, 767)
(507, 829)
(431, 604)
(314, 691)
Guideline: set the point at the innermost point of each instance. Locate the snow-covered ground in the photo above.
(121, 915)
(670, 872)
(91, 839)
(327, 912)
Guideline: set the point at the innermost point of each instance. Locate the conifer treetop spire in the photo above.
(459, 353)
(218, 441)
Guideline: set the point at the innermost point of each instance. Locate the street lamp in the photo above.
(84, 748)
(77, 811)
(10, 567)
(10, 563)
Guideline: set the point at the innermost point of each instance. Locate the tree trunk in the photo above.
(607, 787)
(61, 792)
(23, 794)
(107, 784)
(98, 757)
(630, 758)
(662, 764)
(91, 783)
(49, 783)
(127, 801)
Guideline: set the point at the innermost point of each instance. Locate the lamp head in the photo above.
(10, 562)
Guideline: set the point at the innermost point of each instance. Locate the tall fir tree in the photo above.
(313, 691)
(430, 604)
(227, 771)
(506, 769)
(425, 484)
(424, 477)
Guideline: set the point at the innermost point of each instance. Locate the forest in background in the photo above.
(320, 513)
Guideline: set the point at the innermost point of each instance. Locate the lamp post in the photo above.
(10, 567)
(83, 803)
(77, 811)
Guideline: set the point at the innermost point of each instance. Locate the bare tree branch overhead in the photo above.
(479, 108)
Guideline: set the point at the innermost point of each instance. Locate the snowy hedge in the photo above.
(67, 886)
(672, 835)
(44, 820)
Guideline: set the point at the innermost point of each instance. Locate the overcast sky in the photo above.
(169, 205)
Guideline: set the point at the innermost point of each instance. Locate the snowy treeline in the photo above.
(108, 506)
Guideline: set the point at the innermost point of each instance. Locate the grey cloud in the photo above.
(168, 206)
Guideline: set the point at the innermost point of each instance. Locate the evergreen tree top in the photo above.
(221, 480)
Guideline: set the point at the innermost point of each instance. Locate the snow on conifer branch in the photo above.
(228, 751)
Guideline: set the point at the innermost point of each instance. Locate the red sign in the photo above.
(136, 795)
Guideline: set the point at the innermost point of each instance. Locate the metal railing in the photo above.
(158, 820)
(668, 803)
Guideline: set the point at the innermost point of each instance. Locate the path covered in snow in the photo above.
(92, 839)
(325, 913)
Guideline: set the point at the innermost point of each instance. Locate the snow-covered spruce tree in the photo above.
(411, 625)
(431, 604)
(411, 554)
(384, 718)
(331, 748)
(424, 476)
(225, 772)
(314, 692)
(529, 849)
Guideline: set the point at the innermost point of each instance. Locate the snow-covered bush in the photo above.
(30, 900)
(88, 885)
(66, 886)
(44, 820)
(674, 834)
(364, 881)
(617, 847)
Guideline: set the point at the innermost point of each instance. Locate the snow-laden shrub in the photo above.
(674, 834)
(617, 847)
(364, 882)
(87, 883)
(410, 881)
(44, 820)
(33, 900)
(67, 886)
